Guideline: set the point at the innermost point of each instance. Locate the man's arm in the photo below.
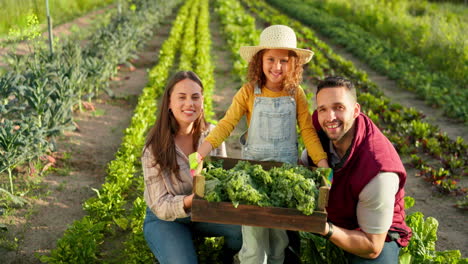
(358, 242)
(374, 213)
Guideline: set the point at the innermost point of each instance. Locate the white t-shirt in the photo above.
(376, 200)
(376, 203)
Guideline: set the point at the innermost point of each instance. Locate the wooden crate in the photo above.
(251, 215)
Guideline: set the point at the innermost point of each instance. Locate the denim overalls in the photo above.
(272, 136)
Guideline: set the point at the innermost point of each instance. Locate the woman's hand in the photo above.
(188, 201)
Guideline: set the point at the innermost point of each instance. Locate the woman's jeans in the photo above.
(171, 241)
(389, 255)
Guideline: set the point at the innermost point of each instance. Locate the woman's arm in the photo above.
(164, 205)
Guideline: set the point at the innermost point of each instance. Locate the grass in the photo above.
(14, 13)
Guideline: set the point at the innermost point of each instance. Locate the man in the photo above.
(366, 206)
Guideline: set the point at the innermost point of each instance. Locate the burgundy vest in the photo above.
(371, 152)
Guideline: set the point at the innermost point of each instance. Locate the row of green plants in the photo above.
(405, 127)
(410, 71)
(40, 91)
(203, 65)
(135, 248)
(233, 16)
(426, 30)
(422, 246)
(16, 15)
(110, 208)
(197, 28)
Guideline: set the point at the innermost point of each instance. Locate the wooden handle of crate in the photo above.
(323, 198)
(199, 168)
(199, 185)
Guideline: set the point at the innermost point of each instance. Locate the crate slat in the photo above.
(272, 217)
(251, 215)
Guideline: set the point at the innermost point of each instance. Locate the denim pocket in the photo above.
(275, 126)
(280, 153)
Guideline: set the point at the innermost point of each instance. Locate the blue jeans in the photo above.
(171, 241)
(389, 255)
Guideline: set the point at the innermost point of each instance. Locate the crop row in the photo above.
(15, 17)
(410, 71)
(420, 226)
(234, 21)
(108, 209)
(39, 93)
(81, 241)
(405, 127)
(429, 31)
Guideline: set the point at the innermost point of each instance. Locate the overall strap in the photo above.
(257, 90)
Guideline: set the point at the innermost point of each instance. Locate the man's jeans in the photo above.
(389, 255)
(171, 241)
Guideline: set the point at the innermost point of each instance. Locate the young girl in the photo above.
(179, 130)
(273, 102)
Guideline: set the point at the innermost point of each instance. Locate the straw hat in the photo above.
(276, 37)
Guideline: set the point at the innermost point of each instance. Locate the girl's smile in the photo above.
(275, 67)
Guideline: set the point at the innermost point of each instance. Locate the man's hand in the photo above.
(357, 242)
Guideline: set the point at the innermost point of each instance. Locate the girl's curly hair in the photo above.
(292, 79)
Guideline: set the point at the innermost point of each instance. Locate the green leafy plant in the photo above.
(288, 186)
(421, 248)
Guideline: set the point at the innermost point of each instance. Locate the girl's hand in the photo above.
(188, 201)
(323, 164)
(195, 161)
(204, 149)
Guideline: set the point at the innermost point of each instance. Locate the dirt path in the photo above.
(453, 224)
(91, 148)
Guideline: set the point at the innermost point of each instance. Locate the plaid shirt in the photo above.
(164, 192)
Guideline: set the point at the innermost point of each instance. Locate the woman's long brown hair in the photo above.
(291, 81)
(160, 139)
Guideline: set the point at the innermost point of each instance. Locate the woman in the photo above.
(178, 131)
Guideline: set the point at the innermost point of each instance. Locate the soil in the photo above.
(61, 195)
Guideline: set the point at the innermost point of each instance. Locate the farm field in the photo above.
(90, 191)
(16, 15)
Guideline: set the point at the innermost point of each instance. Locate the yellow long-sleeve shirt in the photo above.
(242, 104)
